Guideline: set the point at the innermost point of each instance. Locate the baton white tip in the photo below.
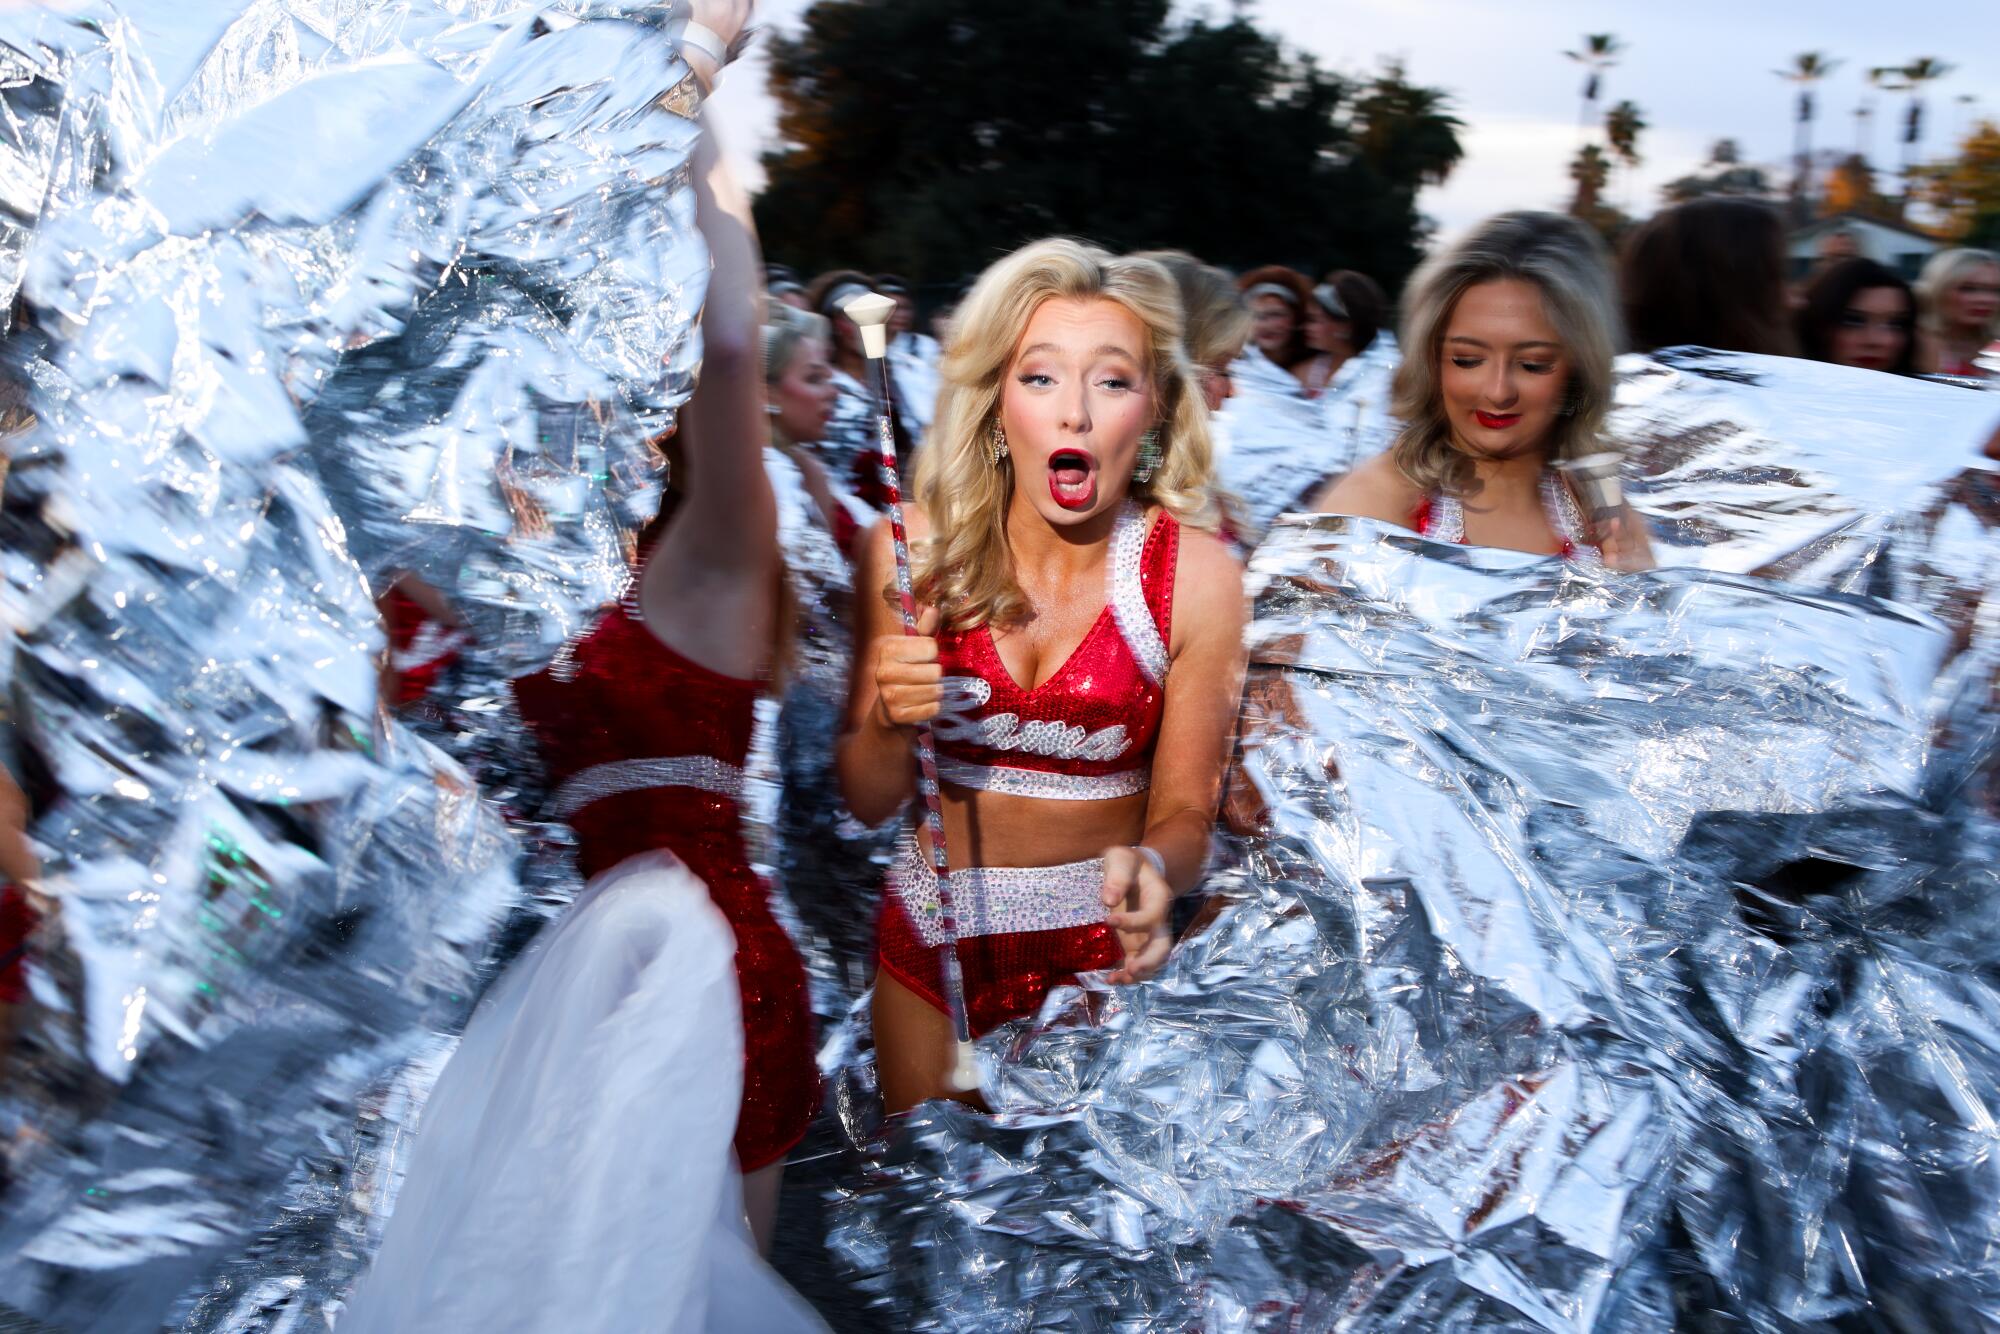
(870, 312)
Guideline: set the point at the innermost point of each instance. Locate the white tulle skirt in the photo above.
(572, 1169)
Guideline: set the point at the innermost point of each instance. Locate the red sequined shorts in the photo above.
(1023, 931)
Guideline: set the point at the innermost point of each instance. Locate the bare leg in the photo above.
(914, 1050)
(760, 1203)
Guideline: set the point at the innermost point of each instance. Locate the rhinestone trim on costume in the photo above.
(997, 900)
(1128, 594)
(1567, 519)
(958, 719)
(609, 780)
(1013, 782)
(1448, 518)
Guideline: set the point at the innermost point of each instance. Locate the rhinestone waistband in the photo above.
(997, 900)
(1013, 782)
(609, 780)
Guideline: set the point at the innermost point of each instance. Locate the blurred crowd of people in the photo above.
(1094, 443)
(1303, 370)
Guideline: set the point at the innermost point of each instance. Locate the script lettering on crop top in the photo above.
(959, 720)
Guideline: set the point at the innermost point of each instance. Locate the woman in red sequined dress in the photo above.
(573, 1168)
(1080, 660)
(1508, 338)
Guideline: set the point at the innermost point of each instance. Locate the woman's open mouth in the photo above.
(1073, 479)
(1496, 421)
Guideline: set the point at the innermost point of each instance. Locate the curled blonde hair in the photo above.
(1566, 262)
(966, 568)
(1940, 272)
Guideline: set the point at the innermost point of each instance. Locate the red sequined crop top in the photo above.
(620, 714)
(1087, 732)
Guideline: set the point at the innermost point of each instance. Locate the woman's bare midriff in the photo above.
(994, 829)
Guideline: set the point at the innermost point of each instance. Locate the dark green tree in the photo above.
(932, 136)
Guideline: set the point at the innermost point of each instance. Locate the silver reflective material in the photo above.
(1591, 951)
(1750, 463)
(322, 295)
(1275, 447)
(828, 865)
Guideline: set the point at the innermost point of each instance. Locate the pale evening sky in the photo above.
(1700, 70)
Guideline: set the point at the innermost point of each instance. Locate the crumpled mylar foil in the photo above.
(827, 865)
(323, 295)
(1593, 951)
(1275, 448)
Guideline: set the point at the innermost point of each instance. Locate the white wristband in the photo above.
(1152, 855)
(707, 41)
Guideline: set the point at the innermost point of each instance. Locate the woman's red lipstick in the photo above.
(1496, 421)
(1072, 479)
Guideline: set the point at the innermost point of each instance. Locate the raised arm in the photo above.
(711, 588)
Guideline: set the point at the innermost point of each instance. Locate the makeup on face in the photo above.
(1075, 401)
(1502, 370)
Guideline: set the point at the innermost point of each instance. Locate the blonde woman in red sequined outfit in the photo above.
(1080, 661)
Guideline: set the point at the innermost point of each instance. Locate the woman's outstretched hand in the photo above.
(1136, 901)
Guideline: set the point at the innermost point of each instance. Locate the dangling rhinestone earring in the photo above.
(996, 442)
(1150, 454)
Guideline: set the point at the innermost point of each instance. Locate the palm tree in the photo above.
(1808, 68)
(1923, 70)
(1622, 126)
(1911, 79)
(1407, 131)
(1600, 52)
(1590, 169)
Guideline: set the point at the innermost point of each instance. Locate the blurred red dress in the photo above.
(622, 719)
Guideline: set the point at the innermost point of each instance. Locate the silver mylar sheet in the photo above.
(1752, 463)
(827, 865)
(1275, 447)
(324, 292)
(1592, 952)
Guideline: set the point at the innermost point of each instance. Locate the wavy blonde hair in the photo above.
(966, 568)
(1566, 262)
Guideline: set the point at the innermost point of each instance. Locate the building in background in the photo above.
(1903, 249)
